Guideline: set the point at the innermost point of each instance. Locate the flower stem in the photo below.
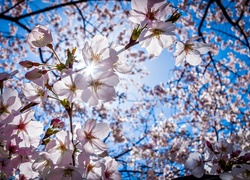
(71, 130)
(54, 52)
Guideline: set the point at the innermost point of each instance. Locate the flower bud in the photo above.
(35, 74)
(57, 123)
(174, 17)
(136, 33)
(28, 64)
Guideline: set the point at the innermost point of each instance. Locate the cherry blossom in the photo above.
(146, 11)
(26, 129)
(102, 87)
(9, 101)
(91, 136)
(35, 93)
(40, 36)
(97, 55)
(26, 169)
(70, 86)
(191, 51)
(157, 36)
(110, 171)
(57, 123)
(61, 148)
(195, 164)
(239, 173)
(65, 173)
(43, 164)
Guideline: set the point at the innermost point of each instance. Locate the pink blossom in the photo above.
(191, 51)
(94, 169)
(157, 36)
(101, 86)
(68, 172)
(26, 169)
(195, 164)
(61, 148)
(26, 129)
(120, 65)
(57, 123)
(43, 164)
(147, 11)
(36, 90)
(9, 101)
(97, 55)
(6, 166)
(224, 147)
(70, 86)
(40, 36)
(34, 93)
(110, 171)
(91, 136)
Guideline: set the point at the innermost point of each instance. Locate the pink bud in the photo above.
(27, 64)
(35, 74)
(57, 123)
(209, 145)
(236, 153)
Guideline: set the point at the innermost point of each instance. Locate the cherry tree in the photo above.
(69, 112)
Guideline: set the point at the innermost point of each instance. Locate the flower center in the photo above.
(21, 126)
(188, 47)
(40, 38)
(157, 33)
(96, 57)
(150, 15)
(89, 136)
(3, 108)
(108, 174)
(96, 84)
(62, 147)
(72, 87)
(90, 167)
(67, 172)
(40, 93)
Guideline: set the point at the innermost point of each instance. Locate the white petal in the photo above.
(198, 172)
(101, 130)
(193, 59)
(180, 58)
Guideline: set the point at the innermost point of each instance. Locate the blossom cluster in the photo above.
(155, 31)
(222, 158)
(21, 136)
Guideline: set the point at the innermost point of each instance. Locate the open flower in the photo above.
(61, 148)
(91, 136)
(43, 164)
(36, 91)
(40, 36)
(9, 101)
(224, 147)
(70, 86)
(65, 173)
(195, 164)
(145, 11)
(26, 129)
(97, 55)
(110, 171)
(191, 51)
(101, 87)
(157, 36)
